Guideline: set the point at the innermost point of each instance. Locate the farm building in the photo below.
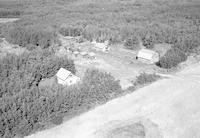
(76, 53)
(65, 77)
(101, 46)
(92, 55)
(148, 56)
(83, 54)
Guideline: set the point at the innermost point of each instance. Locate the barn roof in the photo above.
(146, 54)
(63, 74)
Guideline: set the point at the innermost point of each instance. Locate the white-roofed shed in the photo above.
(148, 55)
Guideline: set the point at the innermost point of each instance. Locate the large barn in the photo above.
(148, 56)
(65, 77)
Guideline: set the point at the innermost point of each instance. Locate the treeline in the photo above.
(183, 42)
(26, 107)
(185, 46)
(11, 9)
(10, 13)
(30, 36)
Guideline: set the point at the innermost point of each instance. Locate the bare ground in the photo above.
(121, 63)
(6, 20)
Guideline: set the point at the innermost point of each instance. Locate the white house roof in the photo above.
(146, 54)
(63, 74)
(91, 54)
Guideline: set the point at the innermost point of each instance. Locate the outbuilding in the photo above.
(83, 54)
(65, 77)
(101, 46)
(92, 55)
(147, 55)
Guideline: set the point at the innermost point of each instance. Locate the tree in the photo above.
(132, 43)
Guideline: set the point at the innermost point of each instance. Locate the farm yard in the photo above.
(64, 63)
(121, 63)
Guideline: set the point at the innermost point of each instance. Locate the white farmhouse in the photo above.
(148, 56)
(65, 77)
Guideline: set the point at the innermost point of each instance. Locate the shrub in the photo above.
(71, 31)
(187, 45)
(57, 120)
(31, 47)
(172, 58)
(132, 43)
(148, 42)
(145, 78)
(99, 86)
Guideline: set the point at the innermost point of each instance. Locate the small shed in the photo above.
(76, 53)
(65, 77)
(148, 56)
(92, 55)
(101, 46)
(83, 53)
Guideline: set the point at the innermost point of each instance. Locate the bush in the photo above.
(148, 42)
(71, 31)
(145, 78)
(99, 86)
(57, 120)
(132, 43)
(187, 44)
(172, 58)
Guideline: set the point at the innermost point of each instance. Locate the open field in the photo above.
(167, 109)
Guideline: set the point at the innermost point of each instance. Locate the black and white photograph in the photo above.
(99, 68)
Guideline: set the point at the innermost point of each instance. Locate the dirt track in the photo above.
(172, 105)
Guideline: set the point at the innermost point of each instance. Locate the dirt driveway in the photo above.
(119, 62)
(171, 105)
(6, 20)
